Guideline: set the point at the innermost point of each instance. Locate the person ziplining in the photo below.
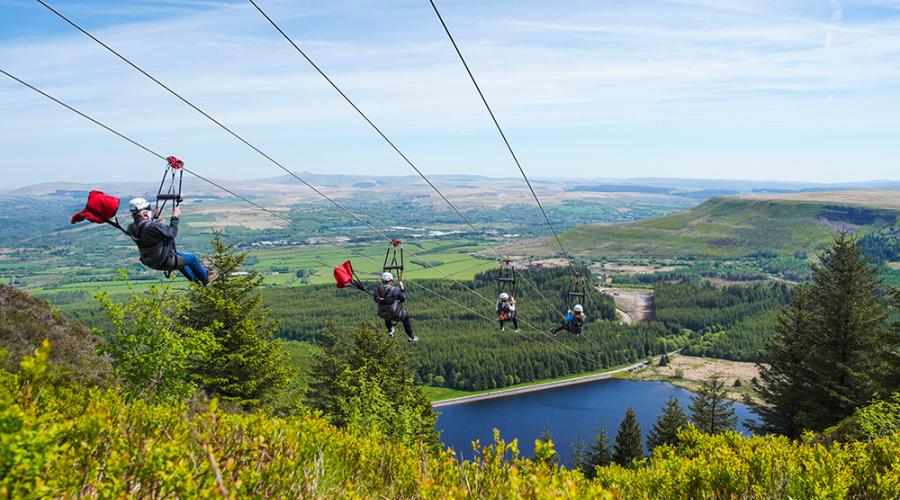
(390, 301)
(575, 318)
(154, 238)
(506, 311)
(506, 295)
(156, 243)
(388, 297)
(574, 322)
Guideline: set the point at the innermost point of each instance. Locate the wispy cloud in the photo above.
(663, 87)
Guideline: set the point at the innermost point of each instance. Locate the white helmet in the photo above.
(578, 308)
(387, 277)
(504, 296)
(138, 205)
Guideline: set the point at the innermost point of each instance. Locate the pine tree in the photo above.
(579, 453)
(247, 367)
(599, 455)
(362, 381)
(329, 365)
(835, 347)
(628, 447)
(664, 360)
(665, 430)
(711, 410)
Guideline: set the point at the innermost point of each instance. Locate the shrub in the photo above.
(58, 441)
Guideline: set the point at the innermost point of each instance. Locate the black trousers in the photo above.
(515, 322)
(562, 326)
(407, 325)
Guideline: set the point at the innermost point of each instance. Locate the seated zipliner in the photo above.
(390, 300)
(574, 322)
(156, 242)
(506, 311)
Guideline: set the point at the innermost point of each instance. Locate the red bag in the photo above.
(100, 208)
(343, 275)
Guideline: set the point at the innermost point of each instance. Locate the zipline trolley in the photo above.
(170, 186)
(393, 260)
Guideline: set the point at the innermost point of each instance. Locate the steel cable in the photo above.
(390, 142)
(503, 135)
(268, 211)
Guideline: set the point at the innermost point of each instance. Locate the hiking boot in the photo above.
(413, 339)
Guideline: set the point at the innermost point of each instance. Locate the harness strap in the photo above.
(114, 222)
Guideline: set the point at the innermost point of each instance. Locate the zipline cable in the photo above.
(270, 212)
(221, 187)
(390, 142)
(503, 135)
(237, 136)
(262, 153)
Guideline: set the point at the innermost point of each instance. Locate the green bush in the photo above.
(58, 441)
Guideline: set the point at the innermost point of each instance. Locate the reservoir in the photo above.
(569, 413)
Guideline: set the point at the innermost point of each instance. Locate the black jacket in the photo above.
(156, 242)
(389, 300)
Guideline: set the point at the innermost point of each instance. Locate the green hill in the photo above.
(26, 321)
(734, 227)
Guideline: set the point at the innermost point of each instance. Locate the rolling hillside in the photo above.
(739, 226)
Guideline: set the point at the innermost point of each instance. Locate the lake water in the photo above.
(568, 412)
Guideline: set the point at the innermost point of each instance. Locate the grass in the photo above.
(435, 259)
(725, 227)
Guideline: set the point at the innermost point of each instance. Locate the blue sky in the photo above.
(739, 89)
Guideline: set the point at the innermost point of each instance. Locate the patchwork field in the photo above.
(288, 266)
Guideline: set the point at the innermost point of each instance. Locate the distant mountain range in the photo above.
(695, 188)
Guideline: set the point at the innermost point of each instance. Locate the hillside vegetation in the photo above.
(25, 322)
(730, 227)
(202, 407)
(68, 443)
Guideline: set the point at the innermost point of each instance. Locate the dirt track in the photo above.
(635, 305)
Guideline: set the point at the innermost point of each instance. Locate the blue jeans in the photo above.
(193, 269)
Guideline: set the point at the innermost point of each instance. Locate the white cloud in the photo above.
(565, 68)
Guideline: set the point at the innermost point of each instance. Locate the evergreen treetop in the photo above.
(628, 447)
(599, 454)
(247, 367)
(712, 411)
(362, 381)
(670, 420)
(835, 348)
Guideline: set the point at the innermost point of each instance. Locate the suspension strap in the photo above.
(579, 290)
(171, 190)
(506, 280)
(393, 260)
